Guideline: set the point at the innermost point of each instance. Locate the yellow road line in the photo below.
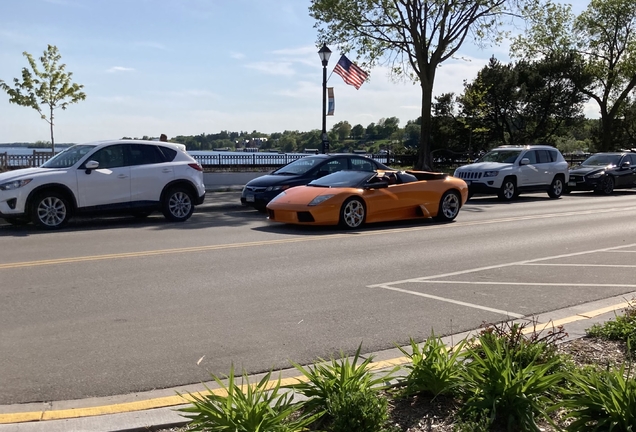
(169, 401)
(70, 260)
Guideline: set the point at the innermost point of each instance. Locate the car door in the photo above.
(545, 167)
(629, 175)
(109, 184)
(149, 173)
(529, 173)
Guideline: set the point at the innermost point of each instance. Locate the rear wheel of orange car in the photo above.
(449, 206)
(352, 213)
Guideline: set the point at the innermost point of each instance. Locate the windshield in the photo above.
(68, 157)
(300, 166)
(501, 156)
(343, 179)
(602, 160)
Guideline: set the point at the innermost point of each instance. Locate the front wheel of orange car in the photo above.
(449, 206)
(352, 213)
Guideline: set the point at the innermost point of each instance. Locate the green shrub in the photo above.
(601, 400)
(261, 407)
(357, 412)
(513, 392)
(621, 329)
(329, 384)
(434, 369)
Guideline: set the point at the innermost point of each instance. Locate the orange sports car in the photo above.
(352, 198)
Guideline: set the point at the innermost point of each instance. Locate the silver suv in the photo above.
(509, 170)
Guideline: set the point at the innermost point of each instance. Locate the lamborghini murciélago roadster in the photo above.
(352, 198)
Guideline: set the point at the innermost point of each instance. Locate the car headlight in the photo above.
(491, 173)
(596, 175)
(319, 199)
(14, 184)
(276, 188)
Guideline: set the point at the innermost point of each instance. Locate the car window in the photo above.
(109, 157)
(168, 153)
(145, 155)
(68, 157)
(543, 156)
(632, 159)
(299, 166)
(333, 166)
(553, 155)
(501, 156)
(359, 164)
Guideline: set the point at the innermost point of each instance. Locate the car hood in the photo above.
(303, 195)
(485, 166)
(583, 170)
(26, 172)
(275, 180)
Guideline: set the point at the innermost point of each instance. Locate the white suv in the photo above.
(509, 170)
(124, 176)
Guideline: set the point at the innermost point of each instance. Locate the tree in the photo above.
(51, 87)
(603, 41)
(414, 37)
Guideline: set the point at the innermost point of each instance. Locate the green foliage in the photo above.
(623, 328)
(434, 369)
(328, 384)
(50, 87)
(601, 400)
(260, 408)
(362, 411)
(514, 392)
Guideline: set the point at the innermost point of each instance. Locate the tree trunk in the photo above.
(52, 141)
(606, 132)
(424, 161)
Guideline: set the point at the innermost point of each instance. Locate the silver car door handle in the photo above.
(166, 170)
(122, 176)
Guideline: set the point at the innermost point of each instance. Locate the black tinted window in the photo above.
(360, 164)
(543, 156)
(145, 154)
(168, 153)
(109, 157)
(532, 156)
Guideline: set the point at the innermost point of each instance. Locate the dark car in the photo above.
(604, 172)
(260, 191)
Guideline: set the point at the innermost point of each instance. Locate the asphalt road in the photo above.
(115, 306)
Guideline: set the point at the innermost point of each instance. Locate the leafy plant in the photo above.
(622, 328)
(513, 392)
(434, 369)
(357, 412)
(602, 400)
(329, 384)
(262, 407)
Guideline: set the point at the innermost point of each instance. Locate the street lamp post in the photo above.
(324, 54)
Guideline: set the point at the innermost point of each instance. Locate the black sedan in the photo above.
(260, 191)
(604, 172)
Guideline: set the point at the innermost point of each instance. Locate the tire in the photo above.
(17, 221)
(353, 213)
(607, 186)
(449, 206)
(557, 188)
(177, 204)
(508, 190)
(50, 210)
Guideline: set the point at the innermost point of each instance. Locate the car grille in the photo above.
(255, 188)
(305, 217)
(469, 175)
(574, 178)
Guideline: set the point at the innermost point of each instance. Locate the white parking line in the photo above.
(578, 265)
(434, 279)
(457, 302)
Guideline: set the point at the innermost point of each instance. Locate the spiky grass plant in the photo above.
(261, 407)
(434, 368)
(329, 385)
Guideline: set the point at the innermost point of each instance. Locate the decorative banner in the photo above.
(332, 102)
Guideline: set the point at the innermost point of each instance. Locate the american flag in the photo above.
(350, 72)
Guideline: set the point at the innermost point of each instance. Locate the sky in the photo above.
(186, 67)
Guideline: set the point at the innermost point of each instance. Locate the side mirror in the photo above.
(90, 166)
(626, 165)
(524, 161)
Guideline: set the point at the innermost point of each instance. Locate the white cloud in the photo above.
(237, 55)
(116, 69)
(273, 68)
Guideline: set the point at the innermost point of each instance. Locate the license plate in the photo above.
(249, 198)
(572, 183)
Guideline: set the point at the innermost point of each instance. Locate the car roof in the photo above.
(526, 147)
(131, 141)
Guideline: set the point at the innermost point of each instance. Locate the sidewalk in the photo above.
(155, 410)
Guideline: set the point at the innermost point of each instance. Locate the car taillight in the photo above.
(196, 166)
